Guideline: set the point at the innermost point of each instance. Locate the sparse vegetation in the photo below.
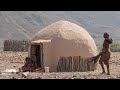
(114, 47)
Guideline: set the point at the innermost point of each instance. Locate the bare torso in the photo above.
(106, 55)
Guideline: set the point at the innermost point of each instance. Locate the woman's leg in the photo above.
(107, 62)
(107, 65)
(24, 69)
(101, 63)
(108, 69)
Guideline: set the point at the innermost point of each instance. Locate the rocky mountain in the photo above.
(24, 24)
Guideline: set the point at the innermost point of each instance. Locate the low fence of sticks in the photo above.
(16, 45)
(75, 64)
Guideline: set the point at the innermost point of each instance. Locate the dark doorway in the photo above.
(38, 55)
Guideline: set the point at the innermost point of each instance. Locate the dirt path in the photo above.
(14, 60)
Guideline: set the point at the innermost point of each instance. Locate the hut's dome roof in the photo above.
(69, 31)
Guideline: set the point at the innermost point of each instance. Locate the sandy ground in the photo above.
(14, 60)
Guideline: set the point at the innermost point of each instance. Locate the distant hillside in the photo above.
(24, 24)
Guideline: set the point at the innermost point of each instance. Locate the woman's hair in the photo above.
(27, 58)
(106, 35)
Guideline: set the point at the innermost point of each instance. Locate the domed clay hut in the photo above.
(62, 46)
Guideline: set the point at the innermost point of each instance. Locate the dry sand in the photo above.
(14, 60)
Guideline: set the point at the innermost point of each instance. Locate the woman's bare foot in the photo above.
(108, 73)
(103, 72)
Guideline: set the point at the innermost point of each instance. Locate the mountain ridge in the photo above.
(20, 25)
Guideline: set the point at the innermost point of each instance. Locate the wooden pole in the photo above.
(76, 63)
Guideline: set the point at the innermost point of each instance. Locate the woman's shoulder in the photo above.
(109, 40)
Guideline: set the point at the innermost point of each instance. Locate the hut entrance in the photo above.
(37, 54)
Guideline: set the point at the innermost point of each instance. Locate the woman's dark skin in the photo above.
(106, 56)
(29, 65)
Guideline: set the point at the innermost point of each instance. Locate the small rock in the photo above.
(25, 74)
